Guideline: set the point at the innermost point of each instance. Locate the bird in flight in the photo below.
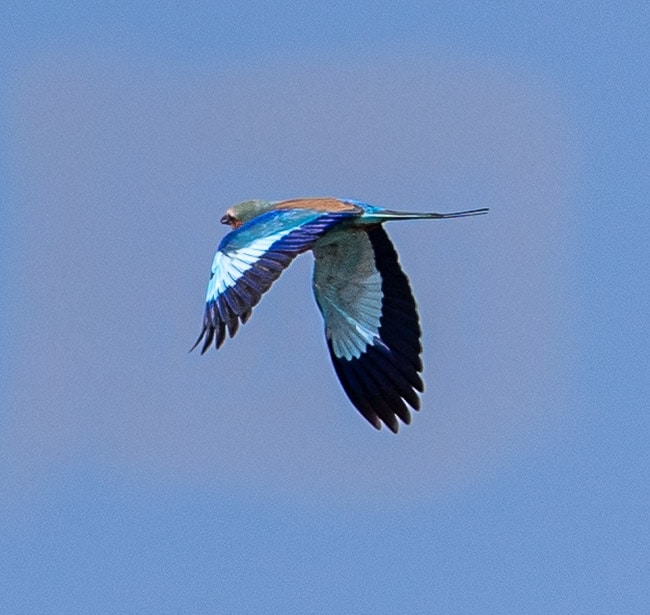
(372, 326)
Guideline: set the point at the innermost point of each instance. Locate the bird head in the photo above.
(236, 215)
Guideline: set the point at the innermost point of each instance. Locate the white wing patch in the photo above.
(230, 266)
(347, 286)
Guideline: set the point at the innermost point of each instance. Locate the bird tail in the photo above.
(387, 214)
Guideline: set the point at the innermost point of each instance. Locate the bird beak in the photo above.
(225, 219)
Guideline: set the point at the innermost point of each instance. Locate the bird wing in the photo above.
(250, 258)
(371, 322)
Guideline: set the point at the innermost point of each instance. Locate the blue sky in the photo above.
(136, 477)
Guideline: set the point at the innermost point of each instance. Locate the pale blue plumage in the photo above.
(347, 286)
(371, 322)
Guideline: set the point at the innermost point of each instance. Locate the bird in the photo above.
(372, 327)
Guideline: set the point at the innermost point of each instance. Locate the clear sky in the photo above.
(138, 478)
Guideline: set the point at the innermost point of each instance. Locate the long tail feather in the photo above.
(387, 214)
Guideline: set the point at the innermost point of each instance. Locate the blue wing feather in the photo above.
(248, 261)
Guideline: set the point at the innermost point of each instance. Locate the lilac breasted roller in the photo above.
(371, 320)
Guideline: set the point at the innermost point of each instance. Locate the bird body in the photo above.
(371, 323)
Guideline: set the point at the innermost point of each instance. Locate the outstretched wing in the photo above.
(249, 259)
(371, 322)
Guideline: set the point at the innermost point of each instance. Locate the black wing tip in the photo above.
(221, 320)
(378, 423)
(405, 417)
(393, 426)
(216, 332)
(380, 397)
(208, 334)
(373, 419)
(198, 341)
